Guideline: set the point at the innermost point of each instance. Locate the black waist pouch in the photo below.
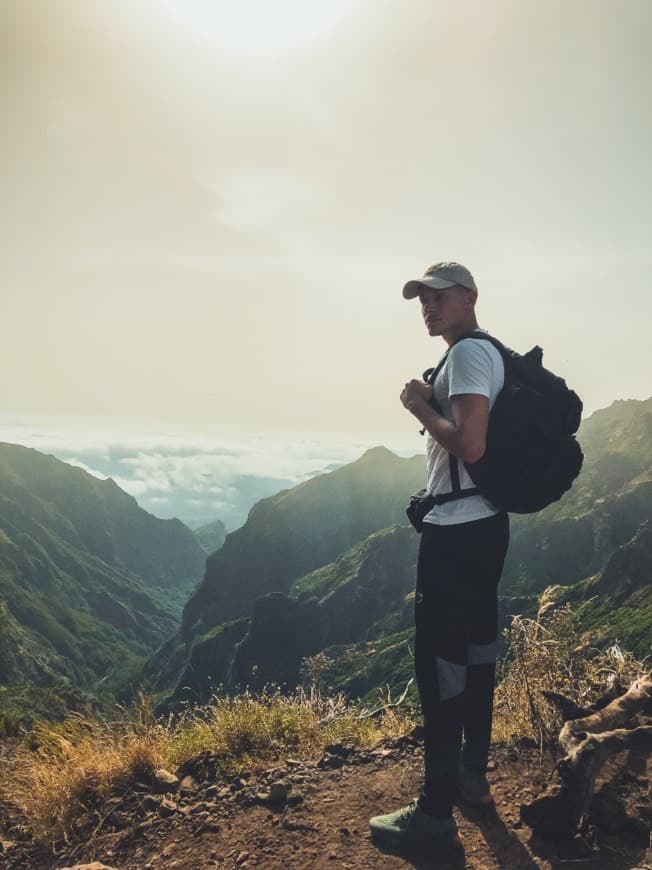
(420, 504)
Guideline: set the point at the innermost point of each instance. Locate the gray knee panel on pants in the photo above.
(482, 653)
(451, 677)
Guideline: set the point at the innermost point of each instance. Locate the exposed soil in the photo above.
(324, 821)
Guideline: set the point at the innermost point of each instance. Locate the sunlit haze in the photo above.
(208, 212)
(258, 26)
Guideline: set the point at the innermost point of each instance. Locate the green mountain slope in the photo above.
(298, 530)
(97, 516)
(90, 584)
(363, 593)
(285, 536)
(615, 606)
(211, 536)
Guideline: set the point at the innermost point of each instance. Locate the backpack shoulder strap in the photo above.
(456, 490)
(509, 356)
(485, 336)
(430, 374)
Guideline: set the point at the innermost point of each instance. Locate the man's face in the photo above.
(444, 310)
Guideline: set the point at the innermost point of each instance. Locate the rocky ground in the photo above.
(315, 815)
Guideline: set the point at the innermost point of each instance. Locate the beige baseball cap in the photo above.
(439, 276)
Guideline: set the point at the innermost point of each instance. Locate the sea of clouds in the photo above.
(198, 476)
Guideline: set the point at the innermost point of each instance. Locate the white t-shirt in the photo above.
(473, 366)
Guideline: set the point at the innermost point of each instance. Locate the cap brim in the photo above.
(413, 288)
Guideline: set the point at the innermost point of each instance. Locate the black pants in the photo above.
(456, 616)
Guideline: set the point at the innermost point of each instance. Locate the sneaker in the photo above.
(410, 826)
(473, 788)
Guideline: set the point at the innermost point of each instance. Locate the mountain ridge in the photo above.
(565, 543)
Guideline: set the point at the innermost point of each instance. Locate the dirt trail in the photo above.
(223, 824)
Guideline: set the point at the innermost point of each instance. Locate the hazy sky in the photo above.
(199, 227)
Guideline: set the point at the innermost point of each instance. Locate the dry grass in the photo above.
(63, 771)
(546, 655)
(68, 769)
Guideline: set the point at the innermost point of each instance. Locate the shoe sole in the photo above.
(399, 841)
(473, 801)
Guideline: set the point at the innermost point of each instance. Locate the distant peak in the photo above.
(375, 453)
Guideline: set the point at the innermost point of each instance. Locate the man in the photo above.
(461, 555)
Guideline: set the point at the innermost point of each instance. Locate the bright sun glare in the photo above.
(260, 26)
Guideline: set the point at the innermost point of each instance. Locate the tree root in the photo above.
(588, 739)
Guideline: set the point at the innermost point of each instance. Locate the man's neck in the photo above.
(455, 334)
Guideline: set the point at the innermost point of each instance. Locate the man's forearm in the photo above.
(464, 435)
(442, 430)
(459, 436)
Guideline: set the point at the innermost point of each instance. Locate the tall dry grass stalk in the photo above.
(68, 769)
(545, 654)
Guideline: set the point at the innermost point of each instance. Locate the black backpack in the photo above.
(532, 456)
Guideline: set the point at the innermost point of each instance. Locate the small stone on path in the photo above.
(167, 808)
(96, 865)
(163, 780)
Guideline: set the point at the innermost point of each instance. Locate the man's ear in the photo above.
(472, 297)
